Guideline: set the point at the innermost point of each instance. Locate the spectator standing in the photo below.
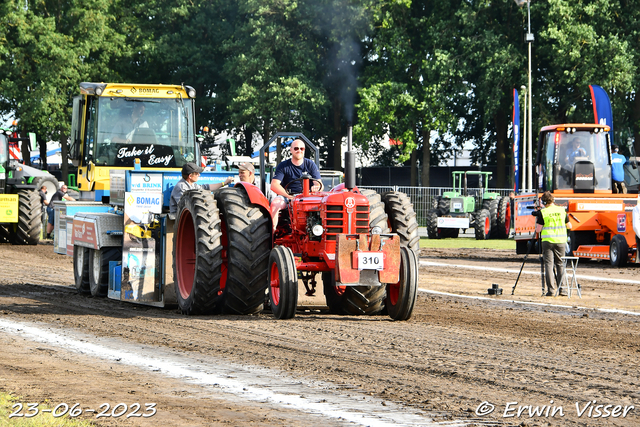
(552, 224)
(59, 195)
(617, 170)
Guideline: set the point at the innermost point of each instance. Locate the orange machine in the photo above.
(574, 163)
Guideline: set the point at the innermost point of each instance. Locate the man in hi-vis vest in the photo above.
(552, 224)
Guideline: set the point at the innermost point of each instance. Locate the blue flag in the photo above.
(516, 140)
(602, 108)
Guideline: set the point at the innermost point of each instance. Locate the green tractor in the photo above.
(20, 206)
(487, 212)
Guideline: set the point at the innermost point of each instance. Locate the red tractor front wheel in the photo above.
(401, 296)
(283, 283)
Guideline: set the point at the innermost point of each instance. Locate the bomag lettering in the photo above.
(148, 200)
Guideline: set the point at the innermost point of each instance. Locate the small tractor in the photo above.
(487, 212)
(363, 245)
(20, 206)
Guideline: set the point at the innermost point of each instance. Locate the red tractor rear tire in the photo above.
(283, 283)
(402, 219)
(197, 253)
(401, 296)
(246, 237)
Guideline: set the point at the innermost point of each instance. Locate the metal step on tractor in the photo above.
(487, 212)
(363, 245)
(20, 206)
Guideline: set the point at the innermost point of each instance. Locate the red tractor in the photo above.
(363, 244)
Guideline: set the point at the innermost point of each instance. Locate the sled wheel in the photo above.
(283, 283)
(99, 269)
(81, 269)
(618, 251)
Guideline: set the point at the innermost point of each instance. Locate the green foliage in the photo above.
(432, 74)
(47, 49)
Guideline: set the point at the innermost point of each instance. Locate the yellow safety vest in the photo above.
(554, 230)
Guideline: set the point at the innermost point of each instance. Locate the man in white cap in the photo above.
(246, 173)
(190, 174)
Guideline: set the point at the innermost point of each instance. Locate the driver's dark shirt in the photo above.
(286, 172)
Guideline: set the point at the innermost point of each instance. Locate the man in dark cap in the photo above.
(190, 174)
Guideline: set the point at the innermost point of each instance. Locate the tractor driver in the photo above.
(575, 151)
(287, 172)
(123, 131)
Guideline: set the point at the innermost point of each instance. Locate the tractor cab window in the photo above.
(579, 161)
(156, 130)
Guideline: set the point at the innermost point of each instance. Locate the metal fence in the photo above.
(423, 197)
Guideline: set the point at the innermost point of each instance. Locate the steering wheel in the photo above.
(302, 178)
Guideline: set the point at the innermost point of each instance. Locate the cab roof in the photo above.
(576, 126)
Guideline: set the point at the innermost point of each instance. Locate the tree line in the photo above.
(432, 74)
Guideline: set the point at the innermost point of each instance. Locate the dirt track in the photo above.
(454, 354)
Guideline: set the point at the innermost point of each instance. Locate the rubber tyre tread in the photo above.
(81, 269)
(432, 224)
(503, 223)
(200, 207)
(402, 219)
(335, 301)
(27, 230)
(285, 264)
(249, 235)
(100, 287)
(444, 205)
(479, 224)
(408, 292)
(492, 206)
(621, 247)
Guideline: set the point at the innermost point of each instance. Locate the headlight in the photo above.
(192, 93)
(376, 230)
(317, 230)
(98, 91)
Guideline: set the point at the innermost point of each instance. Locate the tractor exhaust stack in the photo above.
(349, 162)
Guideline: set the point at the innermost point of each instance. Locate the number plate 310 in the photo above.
(370, 261)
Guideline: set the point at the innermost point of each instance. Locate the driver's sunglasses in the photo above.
(298, 148)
